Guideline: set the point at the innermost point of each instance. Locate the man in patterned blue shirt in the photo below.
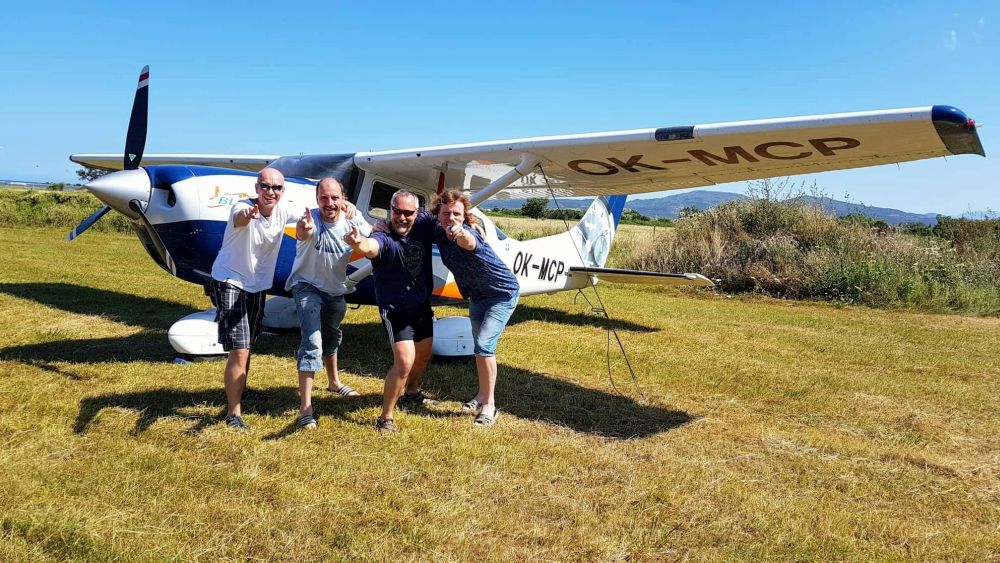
(488, 284)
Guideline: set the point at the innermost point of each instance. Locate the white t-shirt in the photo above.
(249, 254)
(321, 259)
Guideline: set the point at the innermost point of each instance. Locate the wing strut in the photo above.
(528, 162)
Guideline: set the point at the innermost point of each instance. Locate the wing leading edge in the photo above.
(248, 162)
(648, 160)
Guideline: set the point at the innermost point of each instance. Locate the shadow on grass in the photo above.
(531, 395)
(146, 346)
(154, 404)
(146, 312)
(520, 393)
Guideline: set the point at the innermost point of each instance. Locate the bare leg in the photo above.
(235, 379)
(305, 392)
(402, 362)
(422, 357)
(332, 375)
(486, 368)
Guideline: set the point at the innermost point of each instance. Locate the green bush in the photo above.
(791, 249)
(59, 209)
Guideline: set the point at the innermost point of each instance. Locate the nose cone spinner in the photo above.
(119, 188)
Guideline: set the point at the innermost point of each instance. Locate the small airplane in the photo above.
(180, 202)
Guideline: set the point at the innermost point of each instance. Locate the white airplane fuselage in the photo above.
(188, 206)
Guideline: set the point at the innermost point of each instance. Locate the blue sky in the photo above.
(328, 77)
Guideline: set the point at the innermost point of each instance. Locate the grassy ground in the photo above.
(770, 429)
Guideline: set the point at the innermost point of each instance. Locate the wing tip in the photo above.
(956, 130)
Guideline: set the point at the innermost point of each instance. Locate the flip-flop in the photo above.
(344, 391)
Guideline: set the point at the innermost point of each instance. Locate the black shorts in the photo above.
(239, 314)
(415, 325)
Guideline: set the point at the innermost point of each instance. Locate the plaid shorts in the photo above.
(239, 314)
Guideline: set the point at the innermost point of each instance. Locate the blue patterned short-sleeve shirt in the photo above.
(479, 273)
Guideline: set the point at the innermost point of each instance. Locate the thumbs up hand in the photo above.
(307, 220)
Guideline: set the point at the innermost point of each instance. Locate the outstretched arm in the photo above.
(365, 245)
(243, 217)
(463, 238)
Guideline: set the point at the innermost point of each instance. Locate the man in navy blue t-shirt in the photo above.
(404, 279)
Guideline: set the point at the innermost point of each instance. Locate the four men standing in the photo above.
(401, 257)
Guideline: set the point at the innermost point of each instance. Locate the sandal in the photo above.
(487, 419)
(386, 426)
(306, 422)
(344, 391)
(472, 405)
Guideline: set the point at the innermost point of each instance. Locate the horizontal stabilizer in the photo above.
(616, 275)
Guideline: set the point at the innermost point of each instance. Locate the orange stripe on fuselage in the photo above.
(449, 290)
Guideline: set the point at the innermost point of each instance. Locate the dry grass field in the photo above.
(768, 430)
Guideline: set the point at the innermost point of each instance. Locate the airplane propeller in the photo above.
(154, 237)
(118, 189)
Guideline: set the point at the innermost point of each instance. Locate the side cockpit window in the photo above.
(378, 205)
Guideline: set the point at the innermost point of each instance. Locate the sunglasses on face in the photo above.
(403, 212)
(270, 187)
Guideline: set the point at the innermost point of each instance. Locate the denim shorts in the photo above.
(489, 317)
(320, 315)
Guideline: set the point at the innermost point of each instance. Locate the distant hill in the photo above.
(891, 216)
(668, 207)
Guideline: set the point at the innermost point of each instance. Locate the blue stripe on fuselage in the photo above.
(194, 245)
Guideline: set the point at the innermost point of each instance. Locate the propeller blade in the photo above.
(161, 249)
(135, 140)
(86, 223)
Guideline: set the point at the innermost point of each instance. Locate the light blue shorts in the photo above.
(320, 315)
(489, 317)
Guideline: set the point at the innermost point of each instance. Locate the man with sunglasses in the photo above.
(243, 271)
(401, 260)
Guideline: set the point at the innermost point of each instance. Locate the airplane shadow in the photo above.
(146, 312)
(145, 346)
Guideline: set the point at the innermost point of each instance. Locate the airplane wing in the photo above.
(616, 275)
(249, 162)
(665, 158)
(643, 160)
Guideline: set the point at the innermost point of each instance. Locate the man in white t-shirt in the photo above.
(318, 284)
(243, 271)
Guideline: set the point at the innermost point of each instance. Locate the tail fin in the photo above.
(594, 233)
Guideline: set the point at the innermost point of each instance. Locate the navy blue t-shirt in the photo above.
(404, 277)
(479, 273)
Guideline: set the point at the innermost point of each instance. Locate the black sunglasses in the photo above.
(403, 212)
(272, 187)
